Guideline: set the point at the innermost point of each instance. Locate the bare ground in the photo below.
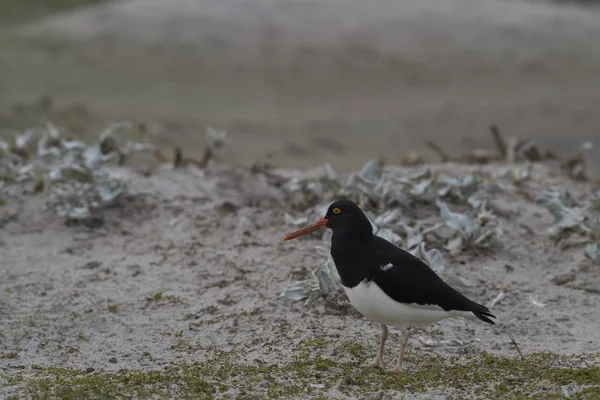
(192, 265)
(177, 295)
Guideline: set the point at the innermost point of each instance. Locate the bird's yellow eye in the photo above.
(336, 210)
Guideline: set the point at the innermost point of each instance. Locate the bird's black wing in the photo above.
(407, 279)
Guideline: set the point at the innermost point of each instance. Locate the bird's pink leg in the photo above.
(403, 342)
(378, 363)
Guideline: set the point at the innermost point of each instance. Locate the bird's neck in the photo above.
(350, 255)
(348, 245)
(345, 239)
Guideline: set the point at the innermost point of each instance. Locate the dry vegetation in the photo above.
(173, 281)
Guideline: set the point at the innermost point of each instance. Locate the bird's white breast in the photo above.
(372, 302)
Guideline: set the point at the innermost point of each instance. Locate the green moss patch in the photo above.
(313, 372)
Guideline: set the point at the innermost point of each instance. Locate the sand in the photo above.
(191, 267)
(193, 261)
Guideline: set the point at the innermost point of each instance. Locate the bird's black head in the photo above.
(344, 218)
(347, 219)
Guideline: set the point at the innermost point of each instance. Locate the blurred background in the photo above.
(298, 83)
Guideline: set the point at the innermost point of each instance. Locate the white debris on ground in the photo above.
(189, 259)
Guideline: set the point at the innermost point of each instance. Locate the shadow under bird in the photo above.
(385, 283)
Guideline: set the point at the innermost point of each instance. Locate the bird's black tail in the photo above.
(483, 313)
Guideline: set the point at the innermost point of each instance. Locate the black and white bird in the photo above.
(385, 283)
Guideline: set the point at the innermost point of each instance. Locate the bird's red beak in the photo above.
(321, 223)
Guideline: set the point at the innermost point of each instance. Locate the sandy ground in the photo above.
(298, 82)
(193, 261)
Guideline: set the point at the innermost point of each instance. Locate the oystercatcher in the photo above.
(385, 283)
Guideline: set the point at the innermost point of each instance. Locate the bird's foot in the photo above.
(395, 370)
(375, 364)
